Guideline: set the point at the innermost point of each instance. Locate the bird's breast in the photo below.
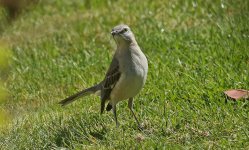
(133, 76)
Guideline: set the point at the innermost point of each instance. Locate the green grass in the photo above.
(196, 50)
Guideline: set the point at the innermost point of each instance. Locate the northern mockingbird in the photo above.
(125, 77)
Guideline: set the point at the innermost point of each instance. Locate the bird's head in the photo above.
(123, 34)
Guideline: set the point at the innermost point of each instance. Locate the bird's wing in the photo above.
(111, 78)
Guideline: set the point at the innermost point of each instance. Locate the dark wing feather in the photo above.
(111, 78)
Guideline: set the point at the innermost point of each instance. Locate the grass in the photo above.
(196, 50)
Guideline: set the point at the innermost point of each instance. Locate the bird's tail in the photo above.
(82, 93)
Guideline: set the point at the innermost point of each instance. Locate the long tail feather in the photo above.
(82, 93)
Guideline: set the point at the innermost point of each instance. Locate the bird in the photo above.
(125, 77)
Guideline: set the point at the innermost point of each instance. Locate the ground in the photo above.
(196, 50)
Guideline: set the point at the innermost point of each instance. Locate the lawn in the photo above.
(196, 50)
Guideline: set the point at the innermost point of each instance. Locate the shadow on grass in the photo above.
(80, 131)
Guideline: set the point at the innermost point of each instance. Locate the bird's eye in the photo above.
(124, 30)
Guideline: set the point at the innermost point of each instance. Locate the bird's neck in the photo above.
(126, 45)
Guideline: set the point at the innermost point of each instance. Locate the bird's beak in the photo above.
(114, 33)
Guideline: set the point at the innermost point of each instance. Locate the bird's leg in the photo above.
(115, 114)
(130, 105)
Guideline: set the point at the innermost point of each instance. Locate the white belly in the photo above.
(131, 81)
(127, 87)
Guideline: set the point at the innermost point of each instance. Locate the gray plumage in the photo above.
(125, 77)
